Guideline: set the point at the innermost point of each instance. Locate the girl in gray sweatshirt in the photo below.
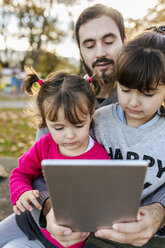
(136, 124)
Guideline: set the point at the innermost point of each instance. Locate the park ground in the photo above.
(8, 163)
(17, 134)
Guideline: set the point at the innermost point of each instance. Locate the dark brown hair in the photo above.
(141, 63)
(97, 11)
(61, 89)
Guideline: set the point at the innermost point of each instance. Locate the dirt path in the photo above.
(13, 104)
(13, 101)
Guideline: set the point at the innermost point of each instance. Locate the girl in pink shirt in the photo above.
(65, 104)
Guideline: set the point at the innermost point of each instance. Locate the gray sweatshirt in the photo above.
(124, 142)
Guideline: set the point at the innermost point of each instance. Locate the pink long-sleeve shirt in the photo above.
(30, 168)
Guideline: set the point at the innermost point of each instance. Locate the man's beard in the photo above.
(106, 76)
(87, 69)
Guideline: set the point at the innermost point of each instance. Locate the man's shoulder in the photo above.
(103, 111)
(41, 132)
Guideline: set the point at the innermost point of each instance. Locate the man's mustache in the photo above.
(109, 61)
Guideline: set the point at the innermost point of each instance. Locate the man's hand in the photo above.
(150, 219)
(63, 235)
(25, 200)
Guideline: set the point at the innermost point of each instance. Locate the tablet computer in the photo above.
(90, 194)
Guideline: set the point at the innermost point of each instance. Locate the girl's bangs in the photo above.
(143, 72)
(51, 109)
(74, 111)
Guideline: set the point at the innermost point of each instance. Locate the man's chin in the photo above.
(104, 74)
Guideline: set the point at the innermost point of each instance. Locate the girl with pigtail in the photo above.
(65, 103)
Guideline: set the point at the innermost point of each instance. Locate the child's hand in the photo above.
(25, 200)
(63, 235)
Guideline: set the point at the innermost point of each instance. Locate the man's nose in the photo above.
(100, 51)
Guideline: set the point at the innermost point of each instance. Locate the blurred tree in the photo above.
(4, 22)
(155, 17)
(49, 61)
(37, 23)
(68, 2)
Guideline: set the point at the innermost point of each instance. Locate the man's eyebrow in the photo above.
(104, 36)
(109, 35)
(87, 40)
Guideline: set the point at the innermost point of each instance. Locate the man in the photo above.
(100, 35)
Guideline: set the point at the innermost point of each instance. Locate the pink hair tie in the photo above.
(40, 81)
(91, 80)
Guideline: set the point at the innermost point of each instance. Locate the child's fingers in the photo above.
(36, 193)
(16, 210)
(33, 199)
(29, 197)
(23, 201)
(26, 204)
(20, 206)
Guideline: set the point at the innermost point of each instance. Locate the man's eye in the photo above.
(109, 42)
(89, 45)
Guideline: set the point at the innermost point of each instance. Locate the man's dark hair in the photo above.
(97, 11)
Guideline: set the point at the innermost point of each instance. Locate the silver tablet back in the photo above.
(91, 194)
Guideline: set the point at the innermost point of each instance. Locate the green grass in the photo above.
(17, 133)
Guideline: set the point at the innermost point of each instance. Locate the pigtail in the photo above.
(30, 79)
(94, 83)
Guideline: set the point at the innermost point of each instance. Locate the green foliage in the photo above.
(36, 23)
(49, 61)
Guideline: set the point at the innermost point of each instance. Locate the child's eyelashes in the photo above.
(148, 94)
(144, 93)
(58, 128)
(125, 90)
(79, 126)
(76, 126)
